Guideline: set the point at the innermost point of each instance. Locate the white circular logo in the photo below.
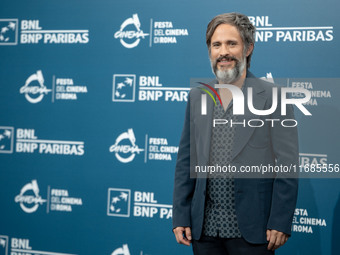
(131, 150)
(122, 34)
(27, 200)
(30, 90)
(121, 250)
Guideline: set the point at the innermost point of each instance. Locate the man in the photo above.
(230, 214)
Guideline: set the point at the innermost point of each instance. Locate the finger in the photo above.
(177, 240)
(277, 241)
(271, 239)
(268, 235)
(286, 238)
(188, 233)
(184, 241)
(180, 238)
(283, 239)
(271, 242)
(178, 233)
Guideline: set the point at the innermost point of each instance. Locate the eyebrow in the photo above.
(228, 41)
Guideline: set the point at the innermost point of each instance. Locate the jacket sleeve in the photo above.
(184, 185)
(285, 186)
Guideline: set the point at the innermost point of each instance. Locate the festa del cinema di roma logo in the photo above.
(130, 38)
(125, 147)
(29, 195)
(34, 88)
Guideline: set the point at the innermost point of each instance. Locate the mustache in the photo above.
(226, 57)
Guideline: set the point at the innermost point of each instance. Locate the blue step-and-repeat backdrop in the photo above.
(92, 100)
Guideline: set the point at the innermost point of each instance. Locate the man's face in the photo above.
(227, 56)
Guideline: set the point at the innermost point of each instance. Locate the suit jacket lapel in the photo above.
(206, 125)
(244, 131)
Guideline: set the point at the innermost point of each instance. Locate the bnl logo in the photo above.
(8, 31)
(118, 202)
(3, 245)
(124, 87)
(6, 139)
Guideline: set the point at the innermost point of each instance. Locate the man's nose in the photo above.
(224, 50)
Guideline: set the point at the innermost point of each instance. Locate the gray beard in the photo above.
(231, 75)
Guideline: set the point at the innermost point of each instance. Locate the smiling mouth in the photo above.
(225, 64)
(225, 60)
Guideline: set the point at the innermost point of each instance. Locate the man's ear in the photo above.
(250, 49)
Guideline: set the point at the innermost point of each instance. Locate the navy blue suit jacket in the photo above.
(261, 203)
